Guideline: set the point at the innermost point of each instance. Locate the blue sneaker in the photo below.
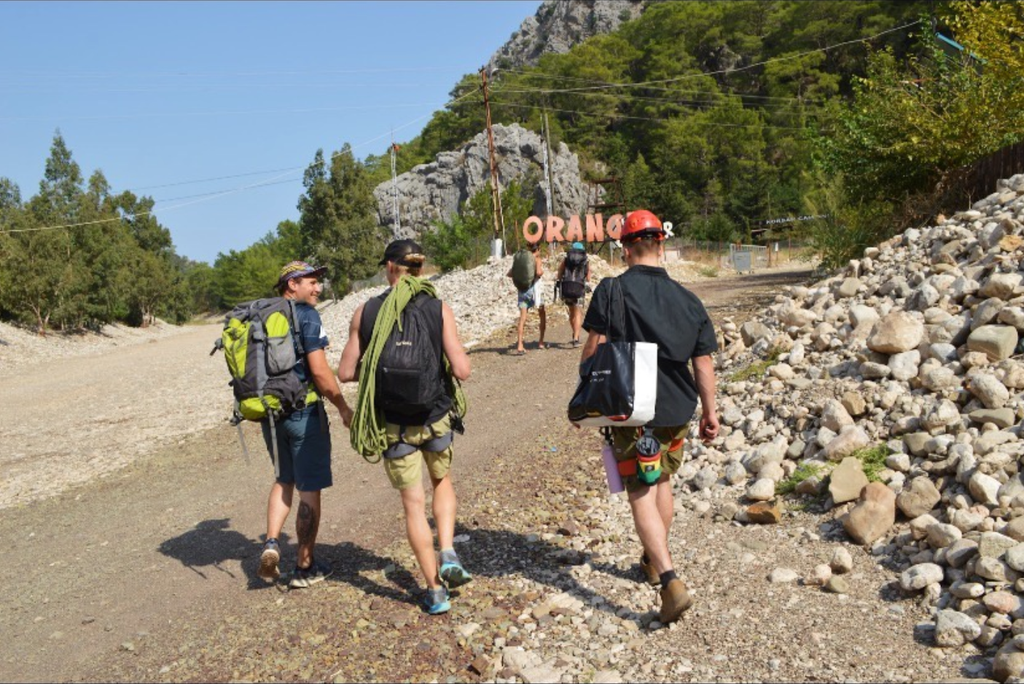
(436, 602)
(454, 575)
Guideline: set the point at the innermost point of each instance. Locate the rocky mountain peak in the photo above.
(558, 25)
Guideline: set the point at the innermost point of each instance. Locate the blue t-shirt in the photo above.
(314, 337)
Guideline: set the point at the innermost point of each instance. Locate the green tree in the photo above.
(338, 219)
(716, 228)
(199, 284)
(450, 243)
(845, 226)
(640, 184)
(913, 122)
(52, 285)
(247, 274)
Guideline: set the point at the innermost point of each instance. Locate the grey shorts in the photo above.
(304, 449)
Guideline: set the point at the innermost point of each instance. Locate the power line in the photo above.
(65, 90)
(721, 100)
(614, 115)
(662, 88)
(214, 192)
(217, 113)
(728, 72)
(210, 196)
(598, 87)
(189, 74)
(207, 180)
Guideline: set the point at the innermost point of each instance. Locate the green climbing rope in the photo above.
(367, 434)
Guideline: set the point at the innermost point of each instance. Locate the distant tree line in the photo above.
(117, 265)
(77, 255)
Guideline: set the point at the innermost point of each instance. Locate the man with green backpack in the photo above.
(297, 436)
(527, 269)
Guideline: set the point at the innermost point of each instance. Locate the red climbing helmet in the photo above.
(641, 224)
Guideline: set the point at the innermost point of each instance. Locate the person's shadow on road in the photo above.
(210, 544)
(351, 561)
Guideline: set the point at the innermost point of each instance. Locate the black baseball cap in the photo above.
(403, 253)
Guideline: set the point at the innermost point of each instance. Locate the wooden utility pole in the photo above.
(547, 166)
(499, 221)
(394, 184)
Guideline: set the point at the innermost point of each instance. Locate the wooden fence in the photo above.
(982, 175)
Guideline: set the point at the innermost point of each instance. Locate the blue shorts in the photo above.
(303, 448)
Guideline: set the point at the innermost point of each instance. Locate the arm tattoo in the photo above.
(306, 523)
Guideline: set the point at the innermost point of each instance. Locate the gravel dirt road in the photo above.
(145, 568)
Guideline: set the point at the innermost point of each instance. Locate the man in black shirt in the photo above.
(659, 310)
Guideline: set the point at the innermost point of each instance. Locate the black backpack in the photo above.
(572, 286)
(409, 378)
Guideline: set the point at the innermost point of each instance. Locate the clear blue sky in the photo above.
(158, 95)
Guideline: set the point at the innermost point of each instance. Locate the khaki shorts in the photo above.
(670, 439)
(407, 471)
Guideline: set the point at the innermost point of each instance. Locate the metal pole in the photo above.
(499, 222)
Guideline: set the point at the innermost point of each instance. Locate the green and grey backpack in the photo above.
(261, 348)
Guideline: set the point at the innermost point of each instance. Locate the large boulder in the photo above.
(434, 192)
(873, 515)
(559, 25)
(898, 331)
(996, 341)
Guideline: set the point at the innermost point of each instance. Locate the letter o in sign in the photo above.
(533, 229)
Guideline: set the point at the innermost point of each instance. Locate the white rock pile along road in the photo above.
(906, 368)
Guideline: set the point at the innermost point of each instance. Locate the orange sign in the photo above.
(554, 229)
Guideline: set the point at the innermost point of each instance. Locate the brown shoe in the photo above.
(675, 599)
(648, 571)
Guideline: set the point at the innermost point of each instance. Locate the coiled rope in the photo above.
(367, 433)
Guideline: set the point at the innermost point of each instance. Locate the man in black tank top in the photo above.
(423, 436)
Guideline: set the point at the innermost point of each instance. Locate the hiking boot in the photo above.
(454, 575)
(268, 560)
(435, 601)
(674, 600)
(307, 577)
(649, 573)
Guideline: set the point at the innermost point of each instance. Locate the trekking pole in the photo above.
(241, 439)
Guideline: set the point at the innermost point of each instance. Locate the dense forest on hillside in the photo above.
(720, 115)
(723, 115)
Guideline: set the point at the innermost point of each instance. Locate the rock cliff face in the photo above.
(436, 191)
(560, 24)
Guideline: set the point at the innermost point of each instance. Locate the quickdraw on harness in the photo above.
(647, 464)
(367, 434)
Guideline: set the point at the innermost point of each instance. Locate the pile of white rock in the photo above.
(483, 300)
(911, 352)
